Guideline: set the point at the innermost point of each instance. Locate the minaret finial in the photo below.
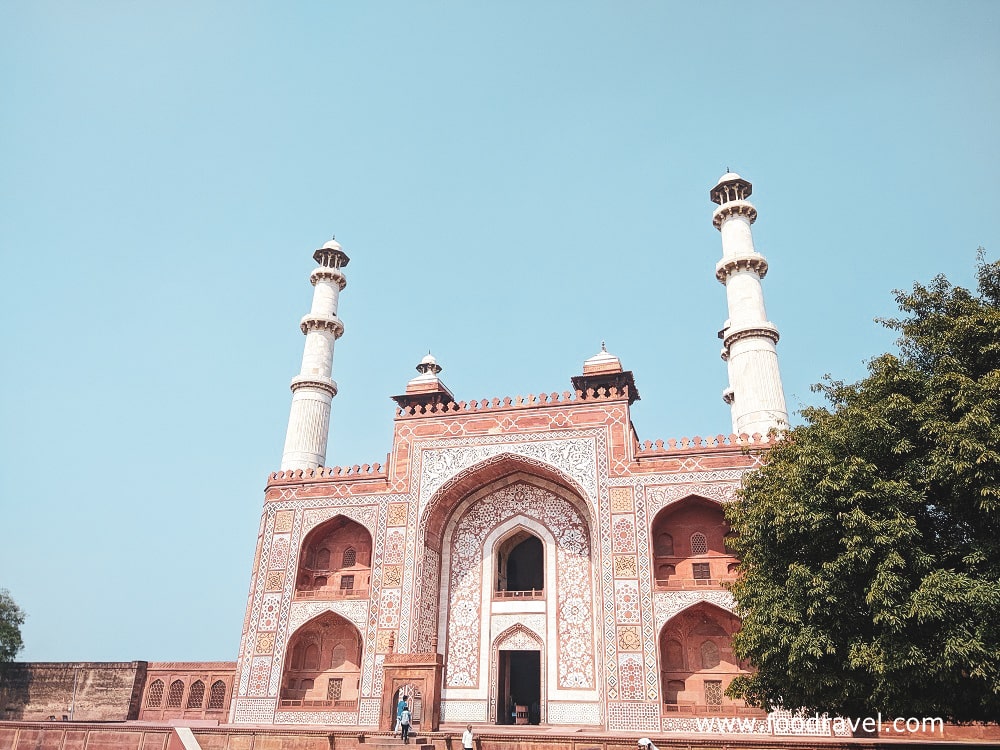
(603, 347)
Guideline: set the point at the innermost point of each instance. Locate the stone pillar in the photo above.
(749, 339)
(313, 388)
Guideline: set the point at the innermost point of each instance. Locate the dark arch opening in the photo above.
(521, 563)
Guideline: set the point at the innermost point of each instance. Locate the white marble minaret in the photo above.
(748, 338)
(313, 389)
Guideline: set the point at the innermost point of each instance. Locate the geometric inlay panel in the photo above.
(633, 717)
(265, 643)
(623, 533)
(629, 638)
(626, 566)
(396, 515)
(627, 602)
(463, 711)
(574, 713)
(621, 499)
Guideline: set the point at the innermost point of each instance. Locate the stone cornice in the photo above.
(322, 323)
(325, 385)
(733, 208)
(767, 331)
(728, 266)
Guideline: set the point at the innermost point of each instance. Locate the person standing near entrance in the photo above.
(467, 738)
(404, 723)
(399, 712)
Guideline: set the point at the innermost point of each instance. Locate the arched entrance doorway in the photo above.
(544, 528)
(518, 665)
(414, 701)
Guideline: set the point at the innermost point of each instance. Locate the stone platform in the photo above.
(135, 735)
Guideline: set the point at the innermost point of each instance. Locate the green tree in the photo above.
(11, 620)
(870, 540)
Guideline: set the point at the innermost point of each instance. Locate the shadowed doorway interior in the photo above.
(520, 687)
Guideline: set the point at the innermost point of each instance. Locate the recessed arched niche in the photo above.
(691, 545)
(697, 662)
(322, 665)
(336, 561)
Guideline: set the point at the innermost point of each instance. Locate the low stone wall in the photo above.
(71, 736)
(81, 691)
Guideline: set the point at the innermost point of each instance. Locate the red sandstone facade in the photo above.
(556, 570)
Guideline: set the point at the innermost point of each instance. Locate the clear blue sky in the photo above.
(514, 183)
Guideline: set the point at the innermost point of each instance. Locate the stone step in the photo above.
(395, 743)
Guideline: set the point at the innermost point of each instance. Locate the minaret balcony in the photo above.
(734, 208)
(333, 275)
(728, 266)
(329, 323)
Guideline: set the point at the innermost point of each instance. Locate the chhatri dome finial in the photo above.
(429, 365)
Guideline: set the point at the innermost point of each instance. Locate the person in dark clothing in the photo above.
(404, 724)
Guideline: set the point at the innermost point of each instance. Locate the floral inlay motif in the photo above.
(573, 584)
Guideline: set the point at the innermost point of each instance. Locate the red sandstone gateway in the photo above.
(523, 561)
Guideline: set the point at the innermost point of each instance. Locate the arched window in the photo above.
(709, 655)
(673, 688)
(154, 696)
(350, 558)
(323, 559)
(175, 694)
(196, 696)
(673, 655)
(297, 653)
(522, 563)
(217, 698)
(664, 545)
(663, 572)
(699, 544)
(339, 656)
(312, 657)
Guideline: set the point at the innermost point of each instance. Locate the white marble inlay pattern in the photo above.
(575, 456)
(355, 611)
(666, 604)
(534, 623)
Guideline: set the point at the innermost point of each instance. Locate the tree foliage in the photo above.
(11, 620)
(870, 540)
